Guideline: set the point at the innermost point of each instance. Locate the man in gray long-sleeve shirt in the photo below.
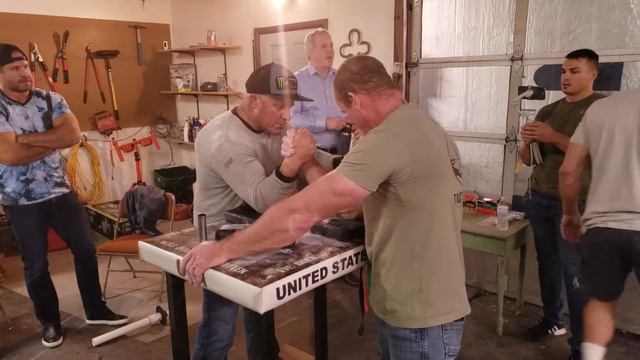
(238, 161)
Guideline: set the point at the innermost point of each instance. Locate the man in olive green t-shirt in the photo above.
(558, 260)
(406, 174)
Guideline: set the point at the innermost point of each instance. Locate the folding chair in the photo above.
(126, 246)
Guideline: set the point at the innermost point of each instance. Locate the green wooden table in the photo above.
(501, 244)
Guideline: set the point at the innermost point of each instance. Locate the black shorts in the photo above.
(607, 258)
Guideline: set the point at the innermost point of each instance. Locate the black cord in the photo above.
(171, 162)
(165, 130)
(163, 127)
(128, 137)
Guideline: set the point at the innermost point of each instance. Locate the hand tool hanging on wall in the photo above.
(89, 59)
(107, 55)
(32, 64)
(137, 29)
(36, 57)
(61, 57)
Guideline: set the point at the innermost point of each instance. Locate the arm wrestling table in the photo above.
(260, 282)
(499, 243)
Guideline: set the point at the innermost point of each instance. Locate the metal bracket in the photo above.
(518, 54)
(511, 140)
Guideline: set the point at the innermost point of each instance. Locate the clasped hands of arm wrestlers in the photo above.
(298, 148)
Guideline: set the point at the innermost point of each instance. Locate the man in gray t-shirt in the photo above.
(238, 161)
(608, 136)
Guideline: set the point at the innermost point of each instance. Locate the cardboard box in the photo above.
(265, 281)
(104, 220)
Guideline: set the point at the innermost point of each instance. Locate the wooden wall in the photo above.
(137, 87)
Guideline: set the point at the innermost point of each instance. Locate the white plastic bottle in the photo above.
(502, 212)
(185, 131)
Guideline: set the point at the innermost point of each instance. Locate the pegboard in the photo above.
(137, 87)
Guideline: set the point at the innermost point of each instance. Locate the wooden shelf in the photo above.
(192, 49)
(207, 93)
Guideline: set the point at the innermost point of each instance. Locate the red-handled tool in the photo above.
(36, 57)
(89, 60)
(61, 57)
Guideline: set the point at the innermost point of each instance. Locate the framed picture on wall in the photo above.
(283, 44)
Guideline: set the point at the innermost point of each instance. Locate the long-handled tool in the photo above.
(32, 64)
(137, 28)
(107, 55)
(160, 316)
(36, 57)
(89, 60)
(61, 57)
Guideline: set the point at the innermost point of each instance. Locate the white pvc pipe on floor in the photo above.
(148, 321)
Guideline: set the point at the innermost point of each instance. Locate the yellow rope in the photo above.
(78, 180)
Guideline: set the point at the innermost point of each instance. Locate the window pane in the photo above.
(466, 99)
(482, 166)
(467, 27)
(562, 26)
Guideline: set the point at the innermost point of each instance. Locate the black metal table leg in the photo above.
(178, 317)
(320, 322)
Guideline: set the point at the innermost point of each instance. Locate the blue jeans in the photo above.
(440, 342)
(558, 264)
(68, 218)
(218, 327)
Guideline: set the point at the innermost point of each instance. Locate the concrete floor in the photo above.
(20, 337)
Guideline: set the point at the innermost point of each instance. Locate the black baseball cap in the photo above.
(6, 51)
(274, 80)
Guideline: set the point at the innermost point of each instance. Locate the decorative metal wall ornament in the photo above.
(354, 45)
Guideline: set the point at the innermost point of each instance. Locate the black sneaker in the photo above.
(544, 329)
(51, 336)
(108, 318)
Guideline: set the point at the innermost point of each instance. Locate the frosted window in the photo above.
(467, 27)
(482, 166)
(466, 99)
(562, 26)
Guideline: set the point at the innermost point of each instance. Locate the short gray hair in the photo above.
(310, 38)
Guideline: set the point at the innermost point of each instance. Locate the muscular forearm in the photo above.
(569, 193)
(290, 167)
(21, 154)
(561, 142)
(57, 138)
(569, 183)
(290, 218)
(278, 227)
(313, 170)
